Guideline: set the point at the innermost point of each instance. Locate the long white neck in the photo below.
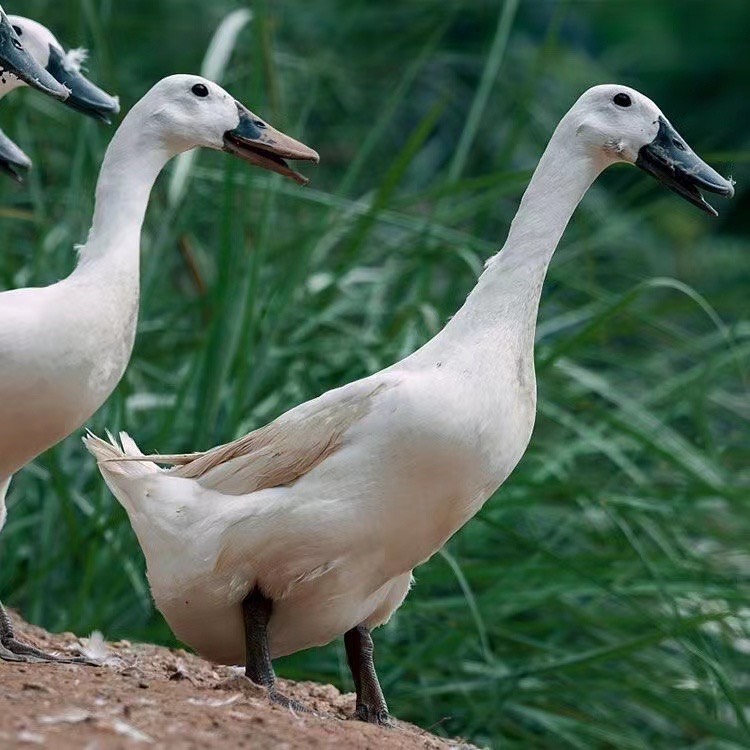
(505, 300)
(131, 165)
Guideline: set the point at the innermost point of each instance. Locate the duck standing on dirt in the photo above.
(64, 347)
(310, 527)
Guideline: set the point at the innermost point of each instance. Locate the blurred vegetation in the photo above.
(601, 598)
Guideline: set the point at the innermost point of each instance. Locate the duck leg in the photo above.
(371, 705)
(256, 612)
(11, 649)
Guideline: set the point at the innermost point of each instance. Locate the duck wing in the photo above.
(282, 451)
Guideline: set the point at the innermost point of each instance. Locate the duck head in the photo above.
(616, 123)
(18, 65)
(187, 111)
(65, 68)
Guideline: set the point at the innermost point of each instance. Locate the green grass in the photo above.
(600, 599)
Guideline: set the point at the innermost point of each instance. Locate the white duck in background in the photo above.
(63, 67)
(310, 527)
(63, 348)
(17, 62)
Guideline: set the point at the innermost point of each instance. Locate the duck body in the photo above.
(63, 349)
(310, 527)
(431, 439)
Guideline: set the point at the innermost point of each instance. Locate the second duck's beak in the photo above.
(673, 162)
(85, 96)
(16, 60)
(257, 142)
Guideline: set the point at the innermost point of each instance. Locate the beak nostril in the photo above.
(17, 44)
(679, 144)
(259, 123)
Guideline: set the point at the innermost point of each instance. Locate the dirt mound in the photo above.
(149, 696)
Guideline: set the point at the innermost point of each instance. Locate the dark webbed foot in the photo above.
(256, 611)
(371, 715)
(280, 699)
(360, 651)
(13, 650)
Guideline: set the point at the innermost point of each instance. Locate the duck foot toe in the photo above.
(279, 699)
(373, 715)
(13, 650)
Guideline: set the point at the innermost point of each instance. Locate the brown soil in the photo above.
(149, 696)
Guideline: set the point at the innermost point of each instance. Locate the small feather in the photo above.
(75, 59)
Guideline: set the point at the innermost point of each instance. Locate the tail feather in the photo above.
(117, 458)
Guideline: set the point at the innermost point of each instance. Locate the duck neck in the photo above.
(131, 165)
(506, 297)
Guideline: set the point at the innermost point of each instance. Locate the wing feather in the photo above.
(284, 450)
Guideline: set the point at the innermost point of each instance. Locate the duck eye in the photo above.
(200, 90)
(18, 30)
(622, 100)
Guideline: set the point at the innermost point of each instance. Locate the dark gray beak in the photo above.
(13, 161)
(15, 59)
(85, 96)
(255, 141)
(673, 162)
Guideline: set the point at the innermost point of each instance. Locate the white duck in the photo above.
(310, 527)
(65, 68)
(17, 62)
(63, 348)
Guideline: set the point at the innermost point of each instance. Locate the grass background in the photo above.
(600, 599)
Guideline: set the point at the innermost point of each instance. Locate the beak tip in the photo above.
(681, 170)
